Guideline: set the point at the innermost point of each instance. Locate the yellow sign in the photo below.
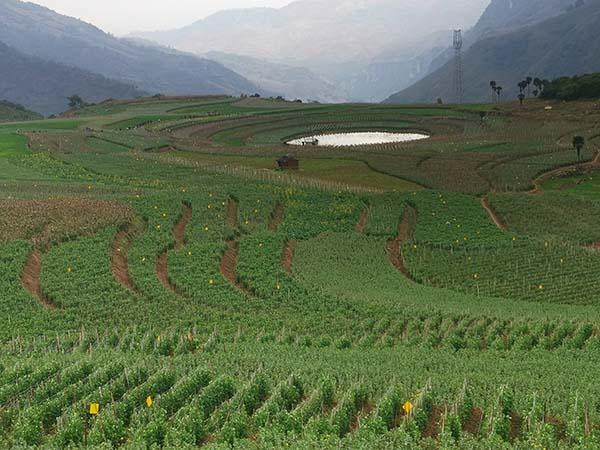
(94, 409)
(407, 407)
(149, 401)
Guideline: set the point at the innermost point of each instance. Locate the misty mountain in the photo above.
(504, 16)
(40, 32)
(44, 86)
(565, 44)
(281, 79)
(375, 39)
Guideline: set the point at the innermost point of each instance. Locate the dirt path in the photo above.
(432, 428)
(537, 182)
(362, 221)
(30, 279)
(485, 203)
(229, 260)
(229, 263)
(181, 225)
(232, 213)
(516, 425)
(119, 262)
(473, 423)
(276, 217)
(287, 258)
(405, 232)
(162, 261)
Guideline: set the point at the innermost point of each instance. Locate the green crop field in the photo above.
(165, 285)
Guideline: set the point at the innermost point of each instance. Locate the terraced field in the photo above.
(165, 286)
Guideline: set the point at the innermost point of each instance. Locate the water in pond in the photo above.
(352, 139)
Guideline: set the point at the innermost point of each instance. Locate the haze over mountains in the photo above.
(330, 51)
(515, 39)
(130, 67)
(366, 48)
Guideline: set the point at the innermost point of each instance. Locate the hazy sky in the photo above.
(124, 16)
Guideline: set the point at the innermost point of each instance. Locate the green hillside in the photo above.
(11, 112)
(166, 286)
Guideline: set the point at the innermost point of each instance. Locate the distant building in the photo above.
(288, 163)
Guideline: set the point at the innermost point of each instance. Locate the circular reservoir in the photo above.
(357, 139)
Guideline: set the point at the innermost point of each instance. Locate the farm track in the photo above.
(405, 232)
(485, 203)
(30, 279)
(276, 217)
(162, 261)
(119, 257)
(362, 221)
(287, 258)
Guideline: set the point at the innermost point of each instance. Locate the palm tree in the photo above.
(538, 84)
(493, 85)
(521, 98)
(578, 143)
(528, 81)
(498, 91)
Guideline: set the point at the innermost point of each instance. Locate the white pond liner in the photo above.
(357, 139)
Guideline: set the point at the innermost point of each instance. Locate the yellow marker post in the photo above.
(94, 409)
(407, 407)
(149, 401)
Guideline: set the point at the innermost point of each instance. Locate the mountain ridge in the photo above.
(38, 31)
(565, 44)
(43, 86)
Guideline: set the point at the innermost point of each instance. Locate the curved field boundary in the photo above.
(287, 257)
(181, 225)
(276, 217)
(362, 221)
(537, 182)
(162, 261)
(485, 203)
(230, 256)
(30, 279)
(229, 266)
(119, 259)
(405, 233)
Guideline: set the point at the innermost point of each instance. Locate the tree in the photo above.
(493, 85)
(482, 116)
(499, 91)
(578, 144)
(535, 92)
(539, 84)
(76, 102)
(528, 81)
(521, 98)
